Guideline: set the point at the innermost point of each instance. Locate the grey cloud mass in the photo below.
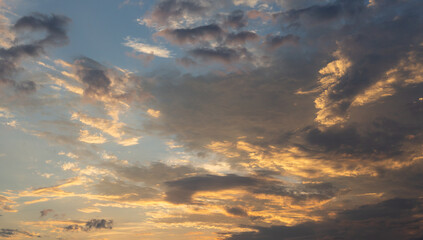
(236, 19)
(390, 219)
(181, 191)
(273, 42)
(94, 75)
(192, 35)
(55, 27)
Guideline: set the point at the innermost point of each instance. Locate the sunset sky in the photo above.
(211, 119)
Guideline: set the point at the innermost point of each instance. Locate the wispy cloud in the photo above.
(137, 45)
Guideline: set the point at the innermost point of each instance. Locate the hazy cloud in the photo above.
(11, 233)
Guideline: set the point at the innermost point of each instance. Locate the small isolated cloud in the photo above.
(45, 212)
(140, 47)
(153, 113)
(93, 224)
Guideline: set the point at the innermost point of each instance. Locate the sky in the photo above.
(211, 120)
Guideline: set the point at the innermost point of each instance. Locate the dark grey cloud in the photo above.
(251, 104)
(384, 138)
(397, 25)
(241, 37)
(55, 28)
(263, 102)
(321, 13)
(168, 11)
(155, 173)
(93, 224)
(273, 42)
(45, 212)
(390, 219)
(181, 191)
(97, 80)
(220, 54)
(11, 233)
(236, 19)
(54, 25)
(193, 35)
(237, 211)
(93, 75)
(99, 224)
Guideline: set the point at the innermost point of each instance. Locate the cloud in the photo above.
(154, 173)
(85, 136)
(55, 28)
(125, 191)
(273, 42)
(7, 204)
(369, 61)
(138, 46)
(192, 35)
(181, 191)
(45, 212)
(145, 58)
(186, 62)
(93, 224)
(89, 210)
(55, 25)
(390, 219)
(220, 54)
(179, 12)
(236, 19)
(241, 38)
(11, 233)
(93, 75)
(236, 211)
